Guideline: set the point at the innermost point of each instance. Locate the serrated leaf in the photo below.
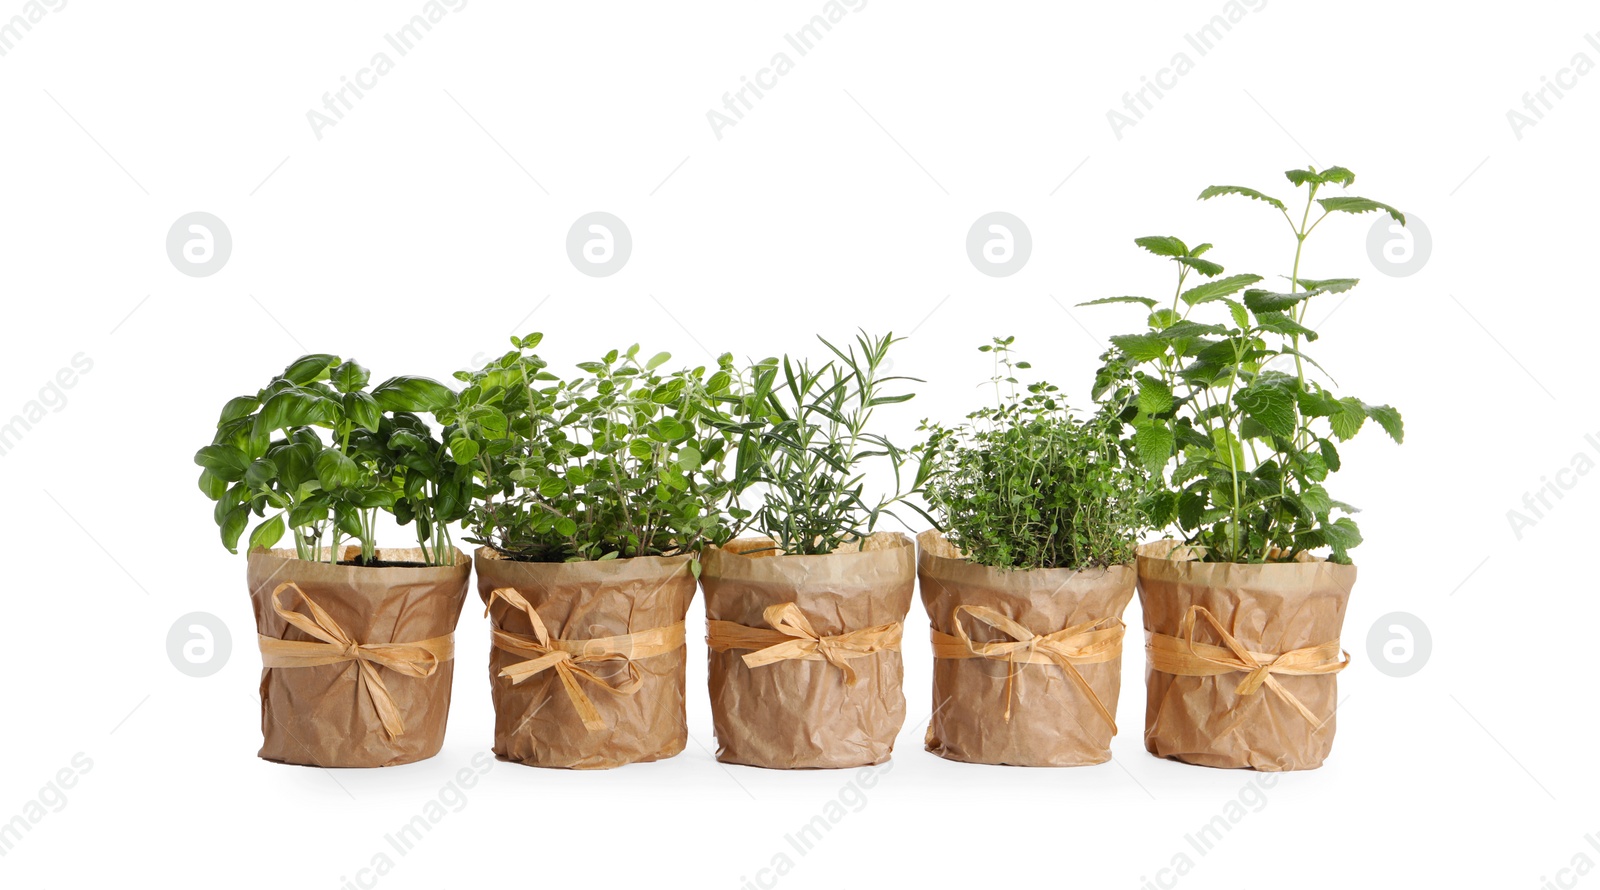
(1347, 421)
(1146, 301)
(1216, 290)
(1329, 285)
(1360, 205)
(1141, 347)
(1339, 175)
(1153, 442)
(1267, 301)
(1155, 397)
(1279, 323)
(1269, 405)
(1389, 419)
(1163, 245)
(1216, 190)
(1204, 267)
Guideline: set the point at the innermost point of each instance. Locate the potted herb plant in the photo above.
(804, 623)
(1241, 429)
(356, 642)
(598, 493)
(1027, 584)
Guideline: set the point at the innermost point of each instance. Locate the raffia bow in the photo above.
(569, 657)
(1184, 657)
(1092, 642)
(336, 646)
(792, 637)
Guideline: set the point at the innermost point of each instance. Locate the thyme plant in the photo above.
(1025, 485)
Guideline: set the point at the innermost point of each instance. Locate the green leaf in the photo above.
(212, 485)
(232, 526)
(1204, 267)
(362, 410)
(1266, 301)
(565, 527)
(1389, 419)
(1216, 190)
(350, 377)
(690, 459)
(1339, 176)
(1359, 205)
(657, 360)
(413, 394)
(309, 368)
(292, 408)
(1279, 323)
(260, 473)
(1155, 397)
(1216, 290)
(1329, 285)
(641, 449)
(224, 461)
(463, 449)
(267, 533)
(1163, 245)
(1153, 442)
(552, 487)
(237, 407)
(1141, 347)
(1270, 405)
(1164, 318)
(1148, 303)
(672, 428)
(336, 470)
(1347, 421)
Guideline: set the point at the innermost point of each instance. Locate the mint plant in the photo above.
(623, 461)
(807, 440)
(1024, 484)
(323, 456)
(1248, 447)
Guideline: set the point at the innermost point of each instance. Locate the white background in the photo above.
(430, 223)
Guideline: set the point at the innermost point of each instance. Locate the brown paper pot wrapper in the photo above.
(1053, 722)
(536, 721)
(1269, 609)
(326, 714)
(797, 713)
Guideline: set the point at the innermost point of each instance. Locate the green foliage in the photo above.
(1241, 449)
(1026, 485)
(806, 440)
(323, 456)
(622, 461)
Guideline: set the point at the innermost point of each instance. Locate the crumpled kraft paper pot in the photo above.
(1053, 722)
(1269, 609)
(798, 713)
(325, 714)
(536, 721)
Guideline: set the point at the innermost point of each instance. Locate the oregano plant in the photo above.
(1024, 484)
(624, 460)
(318, 456)
(1242, 450)
(808, 441)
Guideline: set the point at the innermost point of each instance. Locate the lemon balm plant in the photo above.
(1242, 617)
(356, 642)
(1248, 447)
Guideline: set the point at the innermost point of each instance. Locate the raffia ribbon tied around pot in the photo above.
(1182, 656)
(792, 637)
(568, 658)
(1091, 642)
(420, 659)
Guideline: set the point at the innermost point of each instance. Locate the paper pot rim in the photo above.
(887, 542)
(289, 561)
(930, 554)
(1160, 554)
(668, 563)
